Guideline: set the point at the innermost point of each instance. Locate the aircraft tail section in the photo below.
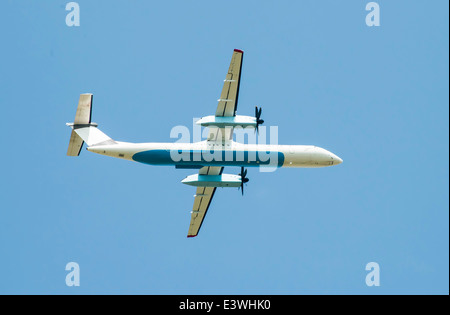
(83, 130)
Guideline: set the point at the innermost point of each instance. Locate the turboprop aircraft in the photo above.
(209, 156)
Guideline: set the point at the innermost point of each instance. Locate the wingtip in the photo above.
(240, 51)
(191, 236)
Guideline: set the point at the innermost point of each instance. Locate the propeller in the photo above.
(244, 179)
(259, 121)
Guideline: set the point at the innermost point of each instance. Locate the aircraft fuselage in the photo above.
(197, 155)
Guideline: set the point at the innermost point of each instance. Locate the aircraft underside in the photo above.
(209, 157)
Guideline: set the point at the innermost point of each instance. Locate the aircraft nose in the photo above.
(336, 159)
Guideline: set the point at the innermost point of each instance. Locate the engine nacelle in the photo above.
(222, 122)
(224, 180)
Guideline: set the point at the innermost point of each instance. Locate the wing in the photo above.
(202, 201)
(229, 97)
(226, 108)
(230, 91)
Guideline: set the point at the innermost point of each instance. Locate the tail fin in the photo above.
(83, 130)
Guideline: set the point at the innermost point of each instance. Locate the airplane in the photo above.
(219, 143)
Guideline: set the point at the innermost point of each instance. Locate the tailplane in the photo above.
(83, 130)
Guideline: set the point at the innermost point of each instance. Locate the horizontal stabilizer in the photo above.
(84, 110)
(82, 116)
(75, 144)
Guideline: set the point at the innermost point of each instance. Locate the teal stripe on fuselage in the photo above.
(210, 158)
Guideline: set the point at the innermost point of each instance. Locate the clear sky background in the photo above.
(375, 96)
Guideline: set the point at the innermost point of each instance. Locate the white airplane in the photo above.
(209, 156)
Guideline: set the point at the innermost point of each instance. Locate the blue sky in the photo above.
(375, 96)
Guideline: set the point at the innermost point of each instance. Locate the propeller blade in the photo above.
(259, 121)
(244, 179)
